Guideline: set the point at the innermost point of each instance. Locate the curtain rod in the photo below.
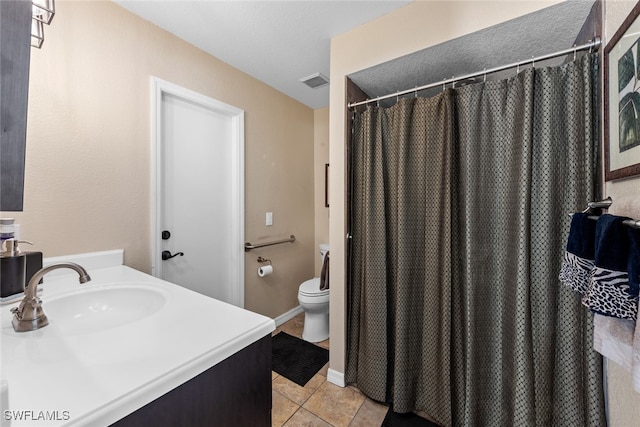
(595, 43)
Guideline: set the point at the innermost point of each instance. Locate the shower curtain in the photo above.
(459, 216)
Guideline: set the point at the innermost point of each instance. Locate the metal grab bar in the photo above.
(248, 246)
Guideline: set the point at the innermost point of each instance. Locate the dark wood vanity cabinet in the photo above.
(236, 392)
(15, 50)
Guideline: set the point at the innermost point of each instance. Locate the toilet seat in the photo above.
(311, 288)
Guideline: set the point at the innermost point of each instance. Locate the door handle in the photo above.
(167, 255)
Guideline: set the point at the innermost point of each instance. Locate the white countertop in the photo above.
(96, 379)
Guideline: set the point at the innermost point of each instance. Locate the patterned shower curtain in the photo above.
(459, 220)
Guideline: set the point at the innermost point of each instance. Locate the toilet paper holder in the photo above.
(263, 260)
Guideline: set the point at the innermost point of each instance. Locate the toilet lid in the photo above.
(312, 288)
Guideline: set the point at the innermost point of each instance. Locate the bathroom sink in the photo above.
(91, 310)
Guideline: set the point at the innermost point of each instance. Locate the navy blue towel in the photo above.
(610, 292)
(324, 273)
(579, 257)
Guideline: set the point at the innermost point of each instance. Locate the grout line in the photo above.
(358, 411)
(294, 412)
(297, 332)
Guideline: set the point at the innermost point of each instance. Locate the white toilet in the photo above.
(316, 307)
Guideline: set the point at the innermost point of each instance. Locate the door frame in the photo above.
(158, 89)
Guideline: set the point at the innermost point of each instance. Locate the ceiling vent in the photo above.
(316, 80)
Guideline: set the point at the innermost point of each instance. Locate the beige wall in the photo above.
(321, 157)
(623, 400)
(416, 26)
(88, 146)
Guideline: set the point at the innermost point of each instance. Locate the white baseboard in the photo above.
(288, 315)
(335, 377)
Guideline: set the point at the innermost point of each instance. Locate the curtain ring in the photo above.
(415, 92)
(533, 62)
(575, 49)
(485, 75)
(444, 85)
(453, 79)
(518, 68)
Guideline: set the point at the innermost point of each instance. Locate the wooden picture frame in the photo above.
(622, 100)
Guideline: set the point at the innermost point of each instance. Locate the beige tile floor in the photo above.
(320, 403)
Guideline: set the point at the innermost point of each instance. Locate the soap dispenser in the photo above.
(13, 269)
(16, 267)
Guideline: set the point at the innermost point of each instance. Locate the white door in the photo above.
(199, 213)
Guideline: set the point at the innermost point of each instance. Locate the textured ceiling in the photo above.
(277, 42)
(281, 42)
(546, 31)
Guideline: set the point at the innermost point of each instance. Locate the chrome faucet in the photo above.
(29, 316)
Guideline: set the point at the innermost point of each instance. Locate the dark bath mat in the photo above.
(297, 359)
(394, 419)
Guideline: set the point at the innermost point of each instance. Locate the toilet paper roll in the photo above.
(265, 270)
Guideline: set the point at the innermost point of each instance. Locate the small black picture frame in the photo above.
(326, 185)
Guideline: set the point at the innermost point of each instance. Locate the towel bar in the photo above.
(606, 204)
(602, 204)
(630, 222)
